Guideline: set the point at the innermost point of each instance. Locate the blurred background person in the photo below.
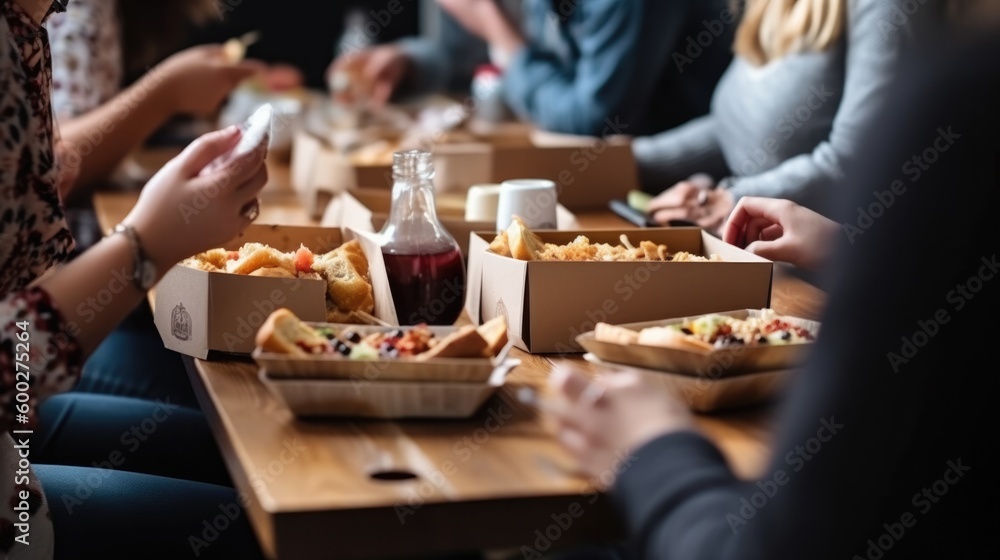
(807, 76)
(117, 80)
(899, 461)
(568, 67)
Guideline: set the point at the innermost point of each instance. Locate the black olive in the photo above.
(687, 331)
(342, 348)
(396, 334)
(761, 339)
(352, 337)
(392, 352)
(786, 336)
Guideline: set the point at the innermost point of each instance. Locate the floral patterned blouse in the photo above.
(87, 62)
(39, 355)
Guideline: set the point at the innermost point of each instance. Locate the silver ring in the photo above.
(251, 210)
(702, 197)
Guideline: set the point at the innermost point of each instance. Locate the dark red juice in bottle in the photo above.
(426, 288)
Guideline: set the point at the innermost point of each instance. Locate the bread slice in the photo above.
(466, 342)
(494, 332)
(284, 333)
(667, 337)
(605, 332)
(524, 244)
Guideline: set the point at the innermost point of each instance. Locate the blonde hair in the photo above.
(772, 29)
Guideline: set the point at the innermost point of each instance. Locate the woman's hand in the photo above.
(602, 422)
(181, 212)
(197, 80)
(780, 230)
(372, 74)
(695, 201)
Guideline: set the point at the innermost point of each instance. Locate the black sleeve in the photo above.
(891, 400)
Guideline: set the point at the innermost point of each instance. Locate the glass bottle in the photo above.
(423, 261)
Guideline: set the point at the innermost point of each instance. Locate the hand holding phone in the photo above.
(256, 135)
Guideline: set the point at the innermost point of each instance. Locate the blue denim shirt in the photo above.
(594, 65)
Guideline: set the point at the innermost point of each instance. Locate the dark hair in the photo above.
(152, 30)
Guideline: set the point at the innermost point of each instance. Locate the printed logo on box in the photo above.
(180, 323)
(502, 310)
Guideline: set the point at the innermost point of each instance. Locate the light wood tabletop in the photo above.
(498, 480)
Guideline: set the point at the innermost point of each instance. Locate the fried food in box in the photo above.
(519, 242)
(344, 269)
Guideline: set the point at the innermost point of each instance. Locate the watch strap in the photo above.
(138, 255)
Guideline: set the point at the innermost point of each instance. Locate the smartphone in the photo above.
(256, 133)
(623, 210)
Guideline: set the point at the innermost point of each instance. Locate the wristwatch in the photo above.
(143, 270)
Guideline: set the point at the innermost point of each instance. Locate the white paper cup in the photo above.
(481, 203)
(533, 200)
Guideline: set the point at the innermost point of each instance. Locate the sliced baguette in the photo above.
(494, 332)
(466, 342)
(285, 333)
(667, 337)
(605, 332)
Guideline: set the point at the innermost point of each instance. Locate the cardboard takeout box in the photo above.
(368, 209)
(199, 313)
(549, 303)
(588, 175)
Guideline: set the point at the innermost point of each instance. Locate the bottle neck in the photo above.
(412, 199)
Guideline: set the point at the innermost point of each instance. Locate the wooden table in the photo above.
(496, 481)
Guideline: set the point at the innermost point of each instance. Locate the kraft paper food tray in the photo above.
(336, 367)
(201, 313)
(312, 398)
(549, 303)
(721, 362)
(707, 394)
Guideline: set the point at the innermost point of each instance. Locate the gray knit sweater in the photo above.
(786, 129)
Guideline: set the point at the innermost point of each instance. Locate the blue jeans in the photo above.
(122, 433)
(127, 477)
(132, 362)
(98, 513)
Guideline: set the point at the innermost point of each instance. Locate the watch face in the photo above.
(148, 275)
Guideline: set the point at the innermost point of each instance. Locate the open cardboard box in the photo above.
(549, 303)
(212, 314)
(200, 313)
(368, 209)
(587, 173)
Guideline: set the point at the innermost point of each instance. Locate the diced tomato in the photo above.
(303, 259)
(233, 255)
